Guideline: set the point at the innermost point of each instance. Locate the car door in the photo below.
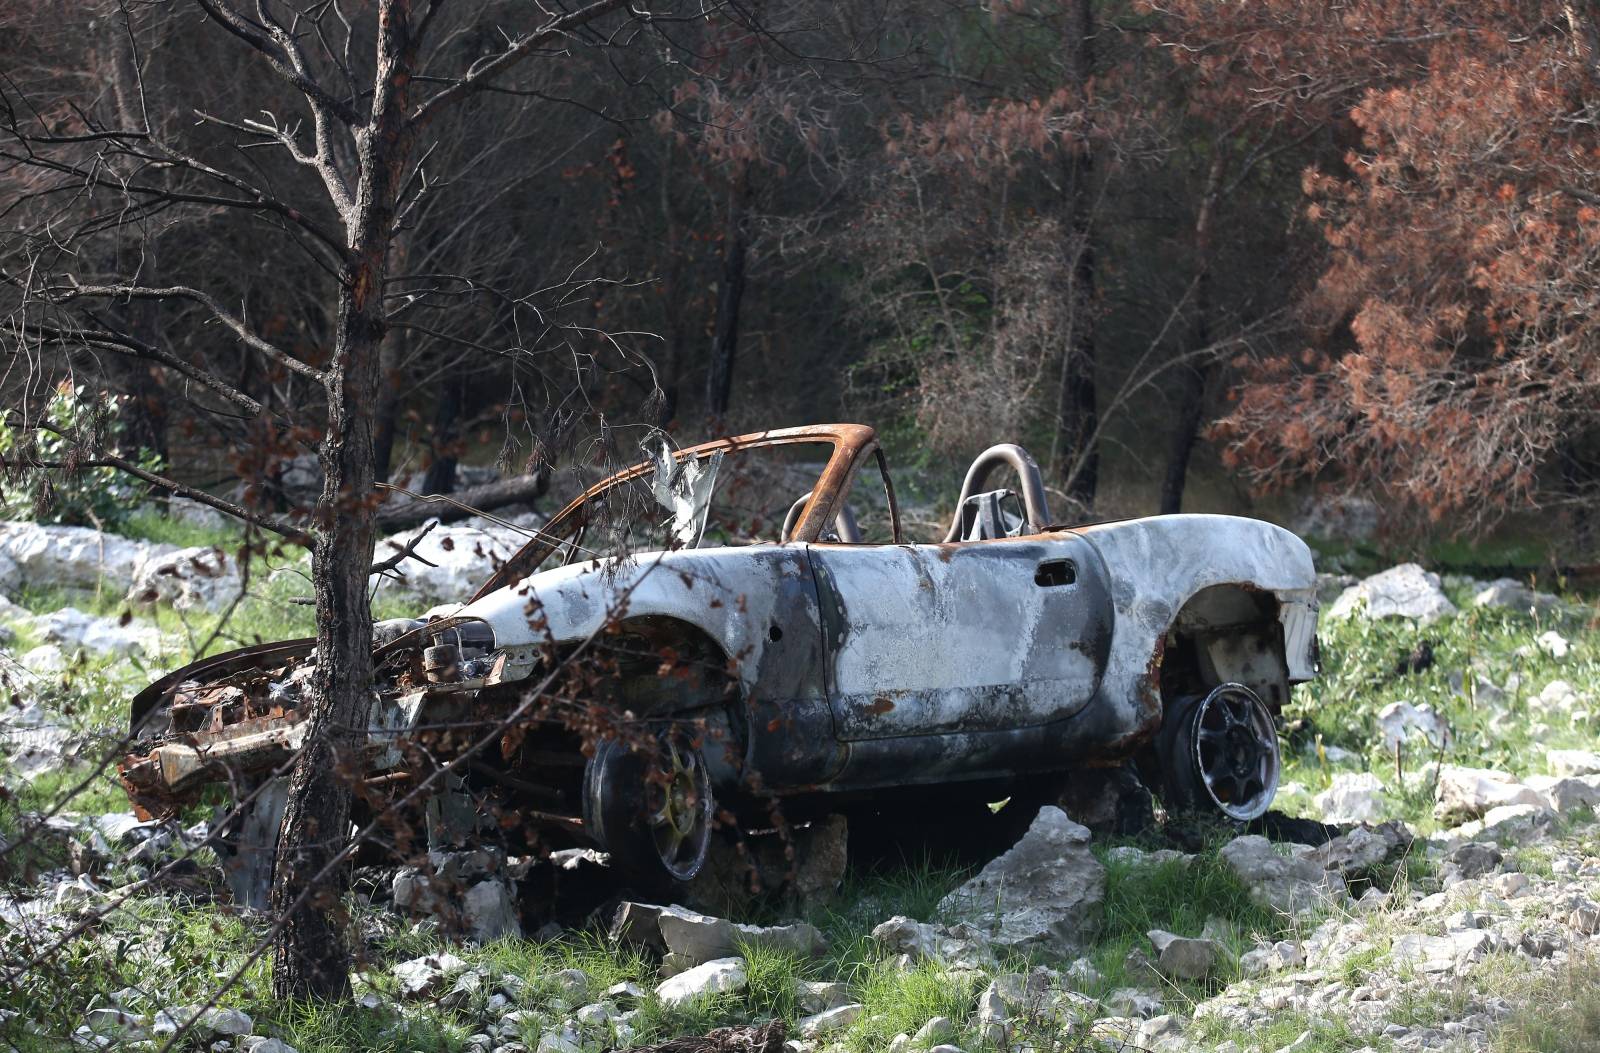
(965, 637)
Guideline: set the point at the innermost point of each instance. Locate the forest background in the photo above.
(1193, 254)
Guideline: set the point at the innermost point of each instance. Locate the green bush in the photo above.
(79, 421)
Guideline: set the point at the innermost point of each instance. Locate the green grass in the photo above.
(1327, 1035)
(151, 524)
(180, 947)
(902, 1001)
(1179, 899)
(1559, 1014)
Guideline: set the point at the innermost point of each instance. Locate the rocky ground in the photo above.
(1451, 743)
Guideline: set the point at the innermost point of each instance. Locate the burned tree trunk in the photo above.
(730, 294)
(1196, 374)
(310, 958)
(1077, 453)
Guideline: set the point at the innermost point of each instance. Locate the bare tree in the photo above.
(333, 161)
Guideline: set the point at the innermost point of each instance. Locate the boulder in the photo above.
(1158, 1031)
(32, 742)
(816, 996)
(697, 938)
(829, 1021)
(1517, 824)
(638, 925)
(1272, 957)
(1353, 797)
(462, 557)
(75, 557)
(199, 578)
(423, 976)
(10, 574)
(1467, 793)
(935, 1031)
(1471, 860)
(1183, 958)
(1044, 893)
(1284, 883)
(1553, 644)
(1567, 795)
(77, 631)
(1556, 700)
(1133, 1003)
(1362, 849)
(1405, 591)
(1573, 762)
(228, 1022)
(1132, 855)
(489, 911)
(259, 1044)
(1513, 594)
(960, 945)
(47, 661)
(722, 976)
(991, 1018)
(1441, 954)
(1401, 721)
(117, 1023)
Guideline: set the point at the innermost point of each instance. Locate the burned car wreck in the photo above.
(743, 622)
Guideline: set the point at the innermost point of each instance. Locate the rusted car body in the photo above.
(815, 664)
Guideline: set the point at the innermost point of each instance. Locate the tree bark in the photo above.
(1077, 449)
(310, 959)
(730, 294)
(144, 416)
(1196, 374)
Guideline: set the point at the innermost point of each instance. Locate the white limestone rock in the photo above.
(1044, 893)
(722, 976)
(75, 557)
(1467, 793)
(1353, 797)
(1404, 591)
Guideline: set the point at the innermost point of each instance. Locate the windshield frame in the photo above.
(852, 444)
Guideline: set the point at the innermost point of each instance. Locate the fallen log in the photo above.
(404, 509)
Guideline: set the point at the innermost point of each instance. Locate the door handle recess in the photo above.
(1053, 572)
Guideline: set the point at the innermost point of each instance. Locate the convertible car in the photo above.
(745, 621)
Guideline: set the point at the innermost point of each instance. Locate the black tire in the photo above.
(1218, 752)
(652, 807)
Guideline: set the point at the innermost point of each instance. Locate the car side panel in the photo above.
(930, 639)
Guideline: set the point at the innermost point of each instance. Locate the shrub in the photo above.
(68, 492)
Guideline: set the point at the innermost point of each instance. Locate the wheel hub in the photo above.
(1236, 751)
(680, 817)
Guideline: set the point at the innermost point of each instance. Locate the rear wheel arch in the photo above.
(1226, 634)
(1223, 651)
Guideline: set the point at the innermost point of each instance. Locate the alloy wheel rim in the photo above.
(1235, 748)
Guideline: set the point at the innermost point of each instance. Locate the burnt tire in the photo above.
(1218, 752)
(649, 805)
